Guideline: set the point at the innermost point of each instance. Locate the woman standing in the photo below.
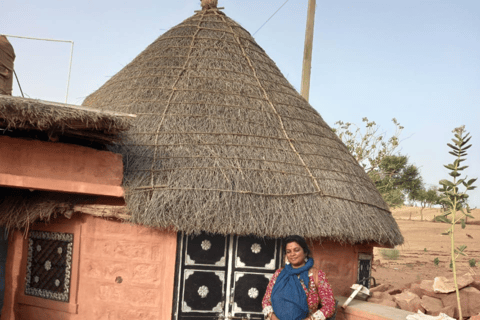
(298, 291)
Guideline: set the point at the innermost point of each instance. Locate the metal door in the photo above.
(223, 277)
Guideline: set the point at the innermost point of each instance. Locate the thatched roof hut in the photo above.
(45, 120)
(223, 143)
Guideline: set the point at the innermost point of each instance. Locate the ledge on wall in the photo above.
(363, 310)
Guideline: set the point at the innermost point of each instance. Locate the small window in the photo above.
(364, 269)
(49, 265)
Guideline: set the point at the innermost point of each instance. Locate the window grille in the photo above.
(49, 265)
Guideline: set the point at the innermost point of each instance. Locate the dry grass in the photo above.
(62, 120)
(223, 143)
(20, 208)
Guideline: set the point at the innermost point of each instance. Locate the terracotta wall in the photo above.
(53, 166)
(339, 262)
(124, 272)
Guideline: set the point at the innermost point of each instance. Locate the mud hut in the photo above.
(53, 158)
(225, 158)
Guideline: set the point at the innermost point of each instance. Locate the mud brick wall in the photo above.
(339, 262)
(123, 272)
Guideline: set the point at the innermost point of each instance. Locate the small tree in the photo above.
(425, 198)
(395, 178)
(455, 200)
(368, 146)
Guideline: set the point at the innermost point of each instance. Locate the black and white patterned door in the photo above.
(201, 277)
(223, 277)
(256, 259)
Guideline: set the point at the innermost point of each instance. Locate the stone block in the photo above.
(449, 311)
(432, 306)
(426, 286)
(469, 301)
(475, 284)
(415, 288)
(444, 285)
(381, 288)
(409, 301)
(381, 295)
(394, 291)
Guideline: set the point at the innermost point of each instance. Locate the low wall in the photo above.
(362, 310)
(119, 271)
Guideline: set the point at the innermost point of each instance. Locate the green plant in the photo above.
(472, 262)
(425, 249)
(390, 254)
(436, 261)
(455, 200)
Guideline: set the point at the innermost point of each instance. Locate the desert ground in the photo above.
(423, 243)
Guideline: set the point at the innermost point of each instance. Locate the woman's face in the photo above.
(295, 254)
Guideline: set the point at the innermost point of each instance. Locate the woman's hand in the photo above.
(274, 317)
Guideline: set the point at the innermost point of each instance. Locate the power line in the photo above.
(54, 40)
(271, 17)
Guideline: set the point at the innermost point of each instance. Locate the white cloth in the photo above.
(422, 316)
(318, 315)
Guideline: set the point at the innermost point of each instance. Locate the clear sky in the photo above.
(415, 60)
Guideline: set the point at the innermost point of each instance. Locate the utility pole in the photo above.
(307, 53)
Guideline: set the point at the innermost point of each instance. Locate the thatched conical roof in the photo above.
(224, 144)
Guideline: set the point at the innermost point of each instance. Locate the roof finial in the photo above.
(209, 4)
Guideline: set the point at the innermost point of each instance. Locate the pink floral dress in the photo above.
(316, 294)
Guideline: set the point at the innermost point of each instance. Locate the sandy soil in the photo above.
(423, 243)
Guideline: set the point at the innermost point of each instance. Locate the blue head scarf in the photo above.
(289, 300)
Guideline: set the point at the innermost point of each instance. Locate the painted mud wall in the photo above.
(119, 271)
(61, 167)
(339, 262)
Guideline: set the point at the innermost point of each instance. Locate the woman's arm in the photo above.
(267, 302)
(325, 295)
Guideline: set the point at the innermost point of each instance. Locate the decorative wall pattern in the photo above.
(205, 249)
(249, 289)
(49, 265)
(256, 253)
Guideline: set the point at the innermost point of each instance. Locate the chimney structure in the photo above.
(7, 56)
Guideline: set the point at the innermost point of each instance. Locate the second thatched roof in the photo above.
(25, 114)
(224, 144)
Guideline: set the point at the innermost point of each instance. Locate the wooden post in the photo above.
(307, 53)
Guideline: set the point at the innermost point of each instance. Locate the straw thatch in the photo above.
(61, 119)
(223, 143)
(20, 207)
